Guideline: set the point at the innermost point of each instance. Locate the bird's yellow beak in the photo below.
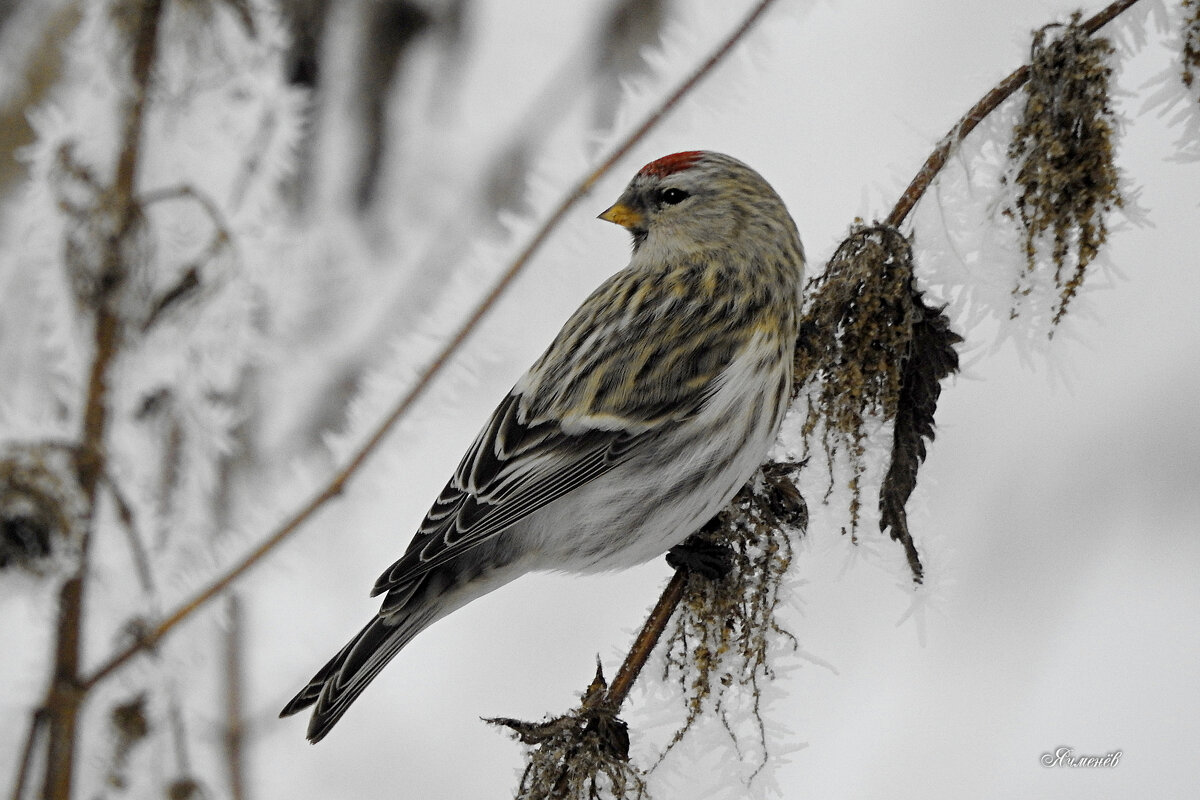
(623, 215)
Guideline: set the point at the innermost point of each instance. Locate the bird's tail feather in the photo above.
(343, 679)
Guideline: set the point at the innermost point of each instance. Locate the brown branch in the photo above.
(338, 483)
(179, 737)
(26, 765)
(986, 105)
(65, 694)
(643, 645)
(144, 55)
(235, 723)
(137, 548)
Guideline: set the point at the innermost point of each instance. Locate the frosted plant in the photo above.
(150, 207)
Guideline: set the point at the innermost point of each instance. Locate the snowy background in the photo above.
(1058, 512)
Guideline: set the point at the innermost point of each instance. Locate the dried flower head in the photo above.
(871, 350)
(130, 727)
(853, 342)
(1063, 156)
(41, 505)
(1191, 41)
(582, 755)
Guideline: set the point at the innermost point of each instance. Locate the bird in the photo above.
(656, 402)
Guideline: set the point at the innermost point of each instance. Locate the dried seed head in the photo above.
(185, 789)
(582, 755)
(872, 350)
(1063, 156)
(130, 727)
(854, 341)
(41, 505)
(1191, 41)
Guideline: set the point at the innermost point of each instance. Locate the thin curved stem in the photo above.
(337, 484)
(643, 645)
(969, 121)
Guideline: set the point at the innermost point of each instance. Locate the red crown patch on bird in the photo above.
(668, 165)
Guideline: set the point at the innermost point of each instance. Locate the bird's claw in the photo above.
(703, 557)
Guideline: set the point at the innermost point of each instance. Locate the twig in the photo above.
(643, 645)
(222, 238)
(183, 762)
(23, 771)
(137, 548)
(235, 725)
(253, 161)
(65, 694)
(338, 483)
(986, 105)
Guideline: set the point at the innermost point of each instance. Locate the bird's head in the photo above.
(696, 200)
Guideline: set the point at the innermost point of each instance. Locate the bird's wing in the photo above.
(512, 469)
(586, 406)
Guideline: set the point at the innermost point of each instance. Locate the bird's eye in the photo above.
(672, 196)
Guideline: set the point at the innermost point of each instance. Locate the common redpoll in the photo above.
(655, 403)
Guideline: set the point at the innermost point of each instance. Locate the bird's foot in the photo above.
(702, 556)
